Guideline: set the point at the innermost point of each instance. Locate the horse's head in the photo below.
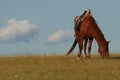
(104, 50)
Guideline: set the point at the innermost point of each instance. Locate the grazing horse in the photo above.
(88, 29)
(77, 22)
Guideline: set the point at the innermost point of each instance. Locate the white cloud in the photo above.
(15, 30)
(60, 36)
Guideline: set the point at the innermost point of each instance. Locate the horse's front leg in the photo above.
(85, 46)
(89, 47)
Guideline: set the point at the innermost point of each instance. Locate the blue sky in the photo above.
(46, 26)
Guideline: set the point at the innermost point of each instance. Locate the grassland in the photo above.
(59, 68)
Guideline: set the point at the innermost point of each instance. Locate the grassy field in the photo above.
(59, 68)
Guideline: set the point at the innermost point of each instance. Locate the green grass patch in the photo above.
(59, 68)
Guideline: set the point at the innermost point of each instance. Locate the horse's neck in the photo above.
(99, 37)
(96, 32)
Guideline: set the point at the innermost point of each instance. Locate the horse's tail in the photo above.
(73, 46)
(76, 29)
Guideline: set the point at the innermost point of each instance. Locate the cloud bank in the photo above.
(21, 30)
(59, 36)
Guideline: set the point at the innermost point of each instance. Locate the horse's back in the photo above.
(89, 27)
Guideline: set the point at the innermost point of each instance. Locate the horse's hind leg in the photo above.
(80, 44)
(89, 46)
(85, 46)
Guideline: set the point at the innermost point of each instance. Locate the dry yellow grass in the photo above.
(59, 68)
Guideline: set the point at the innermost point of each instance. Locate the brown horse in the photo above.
(77, 22)
(88, 29)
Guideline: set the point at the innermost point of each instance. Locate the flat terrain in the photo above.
(59, 68)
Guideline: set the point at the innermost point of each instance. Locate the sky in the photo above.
(46, 26)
